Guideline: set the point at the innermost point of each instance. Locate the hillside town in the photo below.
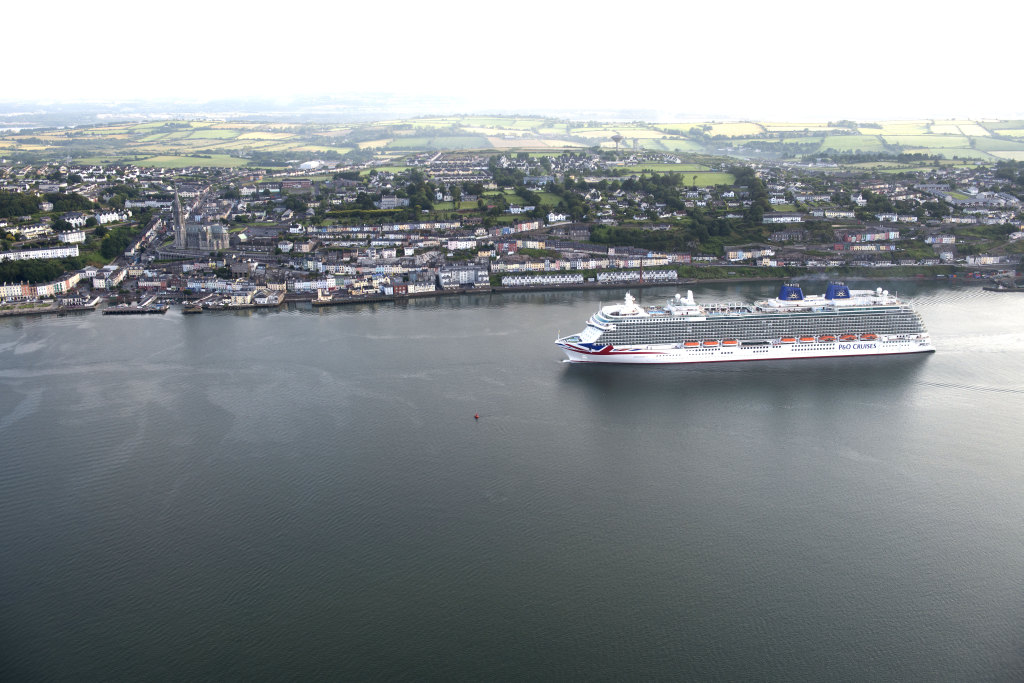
(75, 235)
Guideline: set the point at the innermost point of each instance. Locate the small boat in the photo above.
(806, 340)
(730, 342)
(711, 342)
(690, 344)
(788, 340)
(827, 338)
(848, 337)
(868, 337)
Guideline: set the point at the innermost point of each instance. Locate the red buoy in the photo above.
(477, 416)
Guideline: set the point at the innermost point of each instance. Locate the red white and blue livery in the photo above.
(842, 322)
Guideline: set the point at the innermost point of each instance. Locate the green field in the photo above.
(218, 160)
(993, 145)
(672, 145)
(215, 143)
(853, 143)
(440, 143)
(216, 133)
(899, 128)
(928, 141)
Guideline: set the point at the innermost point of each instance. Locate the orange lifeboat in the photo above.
(711, 342)
(788, 340)
(827, 338)
(730, 342)
(806, 340)
(691, 344)
(848, 337)
(869, 337)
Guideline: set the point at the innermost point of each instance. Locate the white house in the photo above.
(75, 219)
(73, 237)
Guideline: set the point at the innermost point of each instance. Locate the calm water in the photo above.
(305, 494)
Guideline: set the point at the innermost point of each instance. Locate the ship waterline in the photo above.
(842, 322)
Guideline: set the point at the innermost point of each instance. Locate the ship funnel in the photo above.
(837, 290)
(790, 292)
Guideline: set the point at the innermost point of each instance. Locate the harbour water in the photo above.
(305, 494)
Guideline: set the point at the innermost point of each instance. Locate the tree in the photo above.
(295, 203)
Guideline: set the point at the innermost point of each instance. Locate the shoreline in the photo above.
(293, 298)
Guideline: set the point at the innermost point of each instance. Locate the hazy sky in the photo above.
(761, 60)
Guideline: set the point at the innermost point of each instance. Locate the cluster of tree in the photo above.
(504, 177)
(858, 157)
(419, 192)
(116, 240)
(122, 192)
(266, 159)
(38, 270)
(569, 200)
(371, 215)
(529, 196)
(703, 226)
(68, 202)
(936, 209)
(760, 201)
(701, 231)
(70, 178)
(47, 142)
(295, 203)
(674, 240)
(17, 204)
(1011, 171)
(876, 203)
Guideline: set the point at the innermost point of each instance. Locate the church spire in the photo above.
(179, 222)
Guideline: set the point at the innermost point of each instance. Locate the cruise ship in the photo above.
(842, 322)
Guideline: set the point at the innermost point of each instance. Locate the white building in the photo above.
(73, 237)
(532, 280)
(104, 217)
(50, 252)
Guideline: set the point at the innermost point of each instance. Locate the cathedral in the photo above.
(197, 236)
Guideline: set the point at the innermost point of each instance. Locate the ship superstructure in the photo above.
(842, 322)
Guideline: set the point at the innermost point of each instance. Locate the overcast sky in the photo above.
(789, 60)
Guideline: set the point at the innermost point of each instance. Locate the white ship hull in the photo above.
(842, 323)
(659, 354)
